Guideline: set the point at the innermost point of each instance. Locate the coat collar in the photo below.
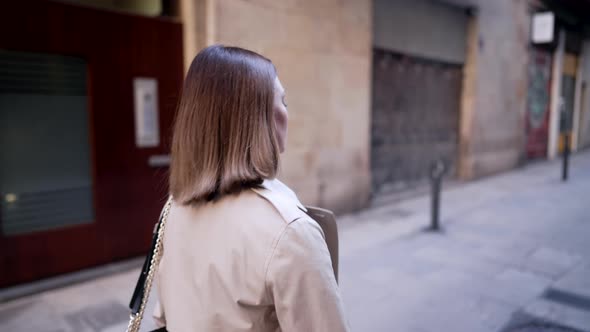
(282, 198)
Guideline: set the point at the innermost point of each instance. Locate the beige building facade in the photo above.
(324, 53)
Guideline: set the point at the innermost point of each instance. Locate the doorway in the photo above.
(76, 189)
(415, 117)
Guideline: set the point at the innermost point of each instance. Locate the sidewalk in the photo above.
(514, 252)
(515, 247)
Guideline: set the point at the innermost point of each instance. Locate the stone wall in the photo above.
(322, 50)
(495, 87)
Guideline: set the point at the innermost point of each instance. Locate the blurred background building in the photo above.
(377, 90)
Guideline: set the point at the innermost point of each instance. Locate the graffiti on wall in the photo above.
(539, 92)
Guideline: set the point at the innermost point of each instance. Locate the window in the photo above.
(45, 177)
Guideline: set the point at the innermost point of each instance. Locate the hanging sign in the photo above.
(543, 28)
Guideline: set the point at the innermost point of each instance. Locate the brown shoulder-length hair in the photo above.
(224, 133)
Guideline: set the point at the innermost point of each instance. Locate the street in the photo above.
(514, 248)
(513, 254)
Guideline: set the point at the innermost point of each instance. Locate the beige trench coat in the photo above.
(249, 262)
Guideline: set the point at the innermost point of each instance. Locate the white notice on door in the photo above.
(147, 124)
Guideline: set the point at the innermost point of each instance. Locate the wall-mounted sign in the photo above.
(543, 29)
(147, 124)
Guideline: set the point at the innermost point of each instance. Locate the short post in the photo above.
(566, 157)
(437, 170)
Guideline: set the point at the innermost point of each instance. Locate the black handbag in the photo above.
(141, 293)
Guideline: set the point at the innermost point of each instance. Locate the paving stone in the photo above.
(500, 255)
(97, 317)
(522, 283)
(31, 315)
(551, 262)
(576, 281)
(386, 276)
(357, 298)
(524, 322)
(458, 312)
(523, 279)
(461, 260)
(565, 315)
(73, 298)
(513, 288)
(123, 326)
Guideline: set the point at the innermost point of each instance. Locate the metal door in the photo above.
(415, 117)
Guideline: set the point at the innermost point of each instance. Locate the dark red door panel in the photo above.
(127, 192)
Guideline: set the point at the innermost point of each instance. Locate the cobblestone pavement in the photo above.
(513, 256)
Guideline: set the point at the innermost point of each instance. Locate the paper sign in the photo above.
(147, 123)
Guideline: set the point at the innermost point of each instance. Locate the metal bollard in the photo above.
(437, 170)
(566, 157)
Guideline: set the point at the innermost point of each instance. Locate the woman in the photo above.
(240, 253)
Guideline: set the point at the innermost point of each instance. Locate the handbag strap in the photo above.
(141, 293)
